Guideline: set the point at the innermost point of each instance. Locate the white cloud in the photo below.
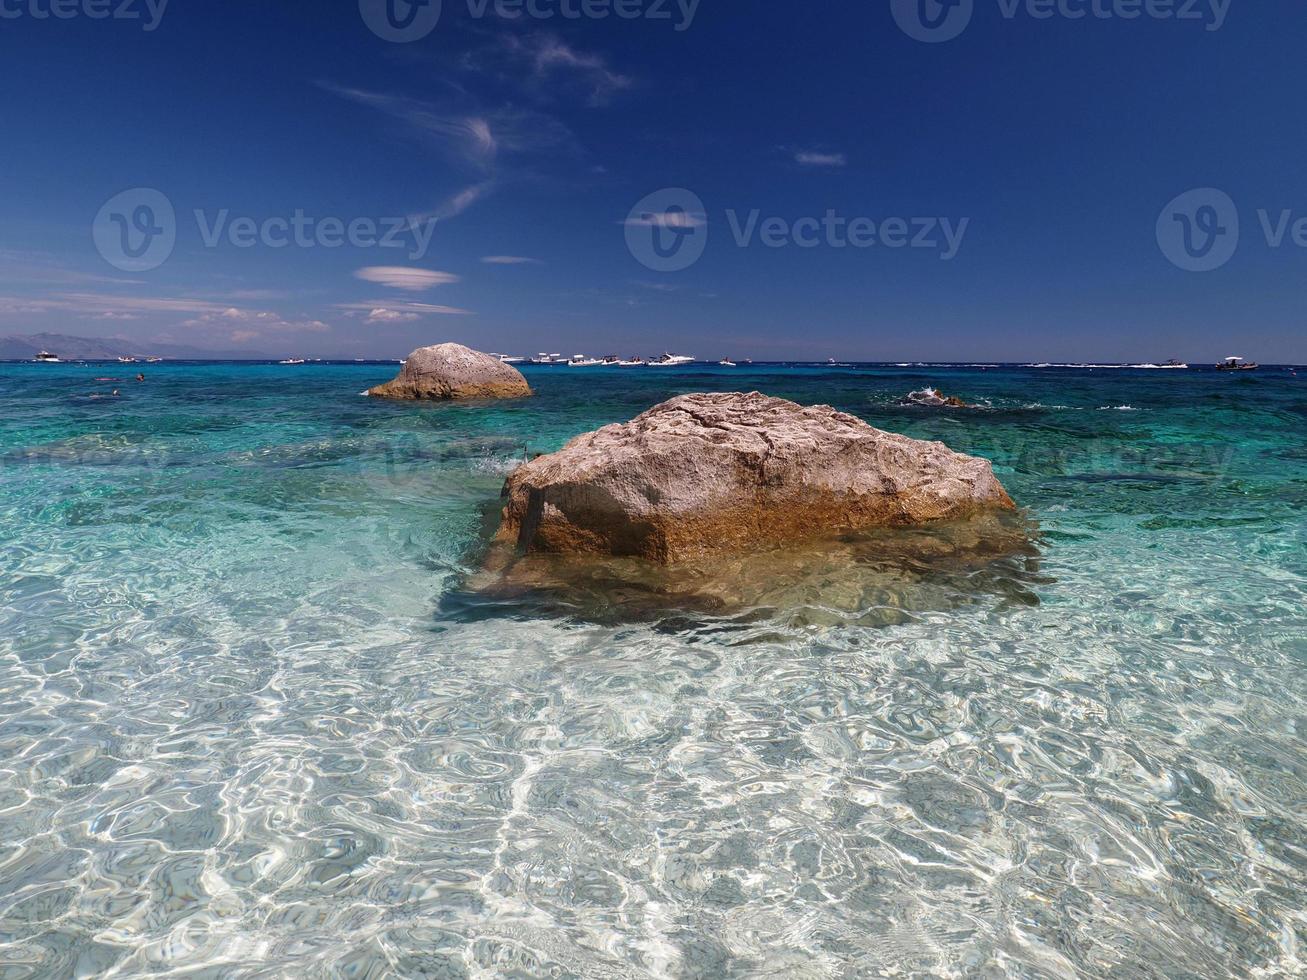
(809, 158)
(402, 277)
(510, 260)
(383, 315)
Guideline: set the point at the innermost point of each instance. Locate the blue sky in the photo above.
(1049, 145)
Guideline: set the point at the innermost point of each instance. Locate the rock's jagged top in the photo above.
(728, 473)
(448, 371)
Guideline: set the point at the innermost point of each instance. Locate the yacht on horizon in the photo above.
(671, 360)
(45, 357)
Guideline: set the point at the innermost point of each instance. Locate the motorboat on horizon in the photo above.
(293, 360)
(543, 358)
(580, 360)
(671, 360)
(1233, 363)
(508, 358)
(726, 362)
(45, 357)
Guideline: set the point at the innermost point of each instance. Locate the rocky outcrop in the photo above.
(716, 474)
(449, 371)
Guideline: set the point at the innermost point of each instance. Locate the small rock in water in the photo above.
(450, 371)
(934, 398)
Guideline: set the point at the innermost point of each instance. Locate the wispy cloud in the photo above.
(41, 267)
(550, 56)
(491, 145)
(478, 140)
(369, 308)
(469, 139)
(249, 324)
(402, 277)
(197, 313)
(454, 205)
(812, 158)
(667, 219)
(510, 260)
(101, 304)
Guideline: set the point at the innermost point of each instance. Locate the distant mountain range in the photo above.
(25, 346)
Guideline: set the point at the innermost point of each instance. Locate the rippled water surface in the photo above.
(254, 723)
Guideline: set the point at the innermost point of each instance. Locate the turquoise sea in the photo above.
(254, 723)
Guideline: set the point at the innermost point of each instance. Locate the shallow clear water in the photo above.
(251, 723)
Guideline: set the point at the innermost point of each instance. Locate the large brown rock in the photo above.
(449, 371)
(727, 473)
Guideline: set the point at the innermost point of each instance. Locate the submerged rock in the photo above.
(449, 371)
(723, 474)
(877, 577)
(934, 398)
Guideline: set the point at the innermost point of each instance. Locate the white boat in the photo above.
(633, 362)
(671, 360)
(153, 360)
(293, 360)
(126, 360)
(580, 360)
(45, 357)
(726, 362)
(543, 358)
(508, 359)
(1233, 363)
